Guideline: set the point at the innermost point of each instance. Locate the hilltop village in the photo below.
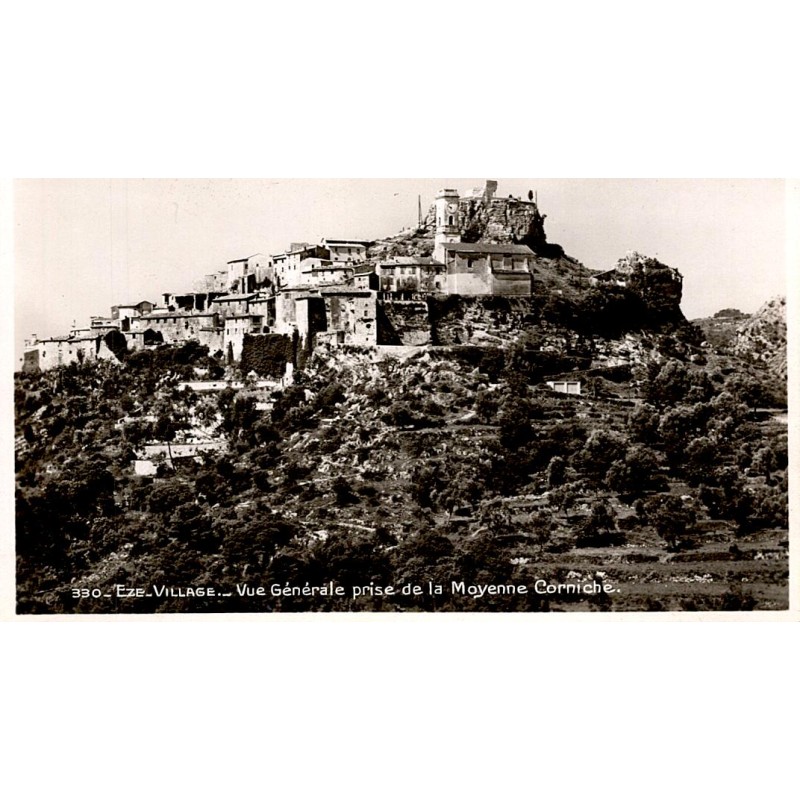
(338, 292)
(462, 403)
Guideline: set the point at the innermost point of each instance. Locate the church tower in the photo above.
(447, 222)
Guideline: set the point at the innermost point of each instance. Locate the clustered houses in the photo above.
(327, 292)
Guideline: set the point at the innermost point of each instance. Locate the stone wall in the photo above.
(511, 284)
(403, 322)
(478, 320)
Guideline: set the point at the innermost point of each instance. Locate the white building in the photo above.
(347, 251)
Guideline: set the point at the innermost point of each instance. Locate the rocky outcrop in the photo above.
(491, 321)
(762, 338)
(506, 220)
(403, 322)
(660, 287)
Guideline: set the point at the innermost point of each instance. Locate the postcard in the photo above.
(411, 395)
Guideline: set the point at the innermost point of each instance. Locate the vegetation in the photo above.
(457, 467)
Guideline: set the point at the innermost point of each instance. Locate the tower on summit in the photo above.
(447, 221)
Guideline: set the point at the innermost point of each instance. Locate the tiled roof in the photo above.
(490, 249)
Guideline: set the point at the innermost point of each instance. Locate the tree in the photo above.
(670, 517)
(541, 529)
(556, 470)
(599, 527)
(638, 471)
(602, 449)
(165, 428)
(514, 421)
(167, 496)
(343, 492)
(764, 462)
(669, 385)
(701, 454)
(565, 498)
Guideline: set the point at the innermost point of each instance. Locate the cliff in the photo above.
(660, 287)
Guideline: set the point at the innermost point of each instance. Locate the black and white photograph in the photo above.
(410, 395)
(328, 475)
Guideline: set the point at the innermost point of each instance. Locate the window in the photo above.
(451, 221)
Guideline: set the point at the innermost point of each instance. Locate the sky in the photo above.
(81, 246)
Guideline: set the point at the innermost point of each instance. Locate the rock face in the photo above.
(507, 220)
(513, 221)
(659, 286)
(479, 320)
(763, 337)
(403, 322)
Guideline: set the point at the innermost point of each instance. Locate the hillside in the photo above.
(762, 338)
(451, 465)
(720, 331)
(441, 457)
(754, 343)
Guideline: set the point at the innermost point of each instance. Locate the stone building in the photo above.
(264, 306)
(565, 386)
(124, 313)
(173, 327)
(347, 251)
(324, 272)
(229, 304)
(337, 315)
(286, 266)
(188, 302)
(58, 351)
(488, 269)
(478, 268)
(412, 274)
(245, 274)
(237, 326)
(365, 276)
(447, 222)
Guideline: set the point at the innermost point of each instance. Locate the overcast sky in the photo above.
(83, 245)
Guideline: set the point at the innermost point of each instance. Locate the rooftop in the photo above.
(232, 298)
(491, 249)
(411, 261)
(350, 242)
(241, 260)
(177, 314)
